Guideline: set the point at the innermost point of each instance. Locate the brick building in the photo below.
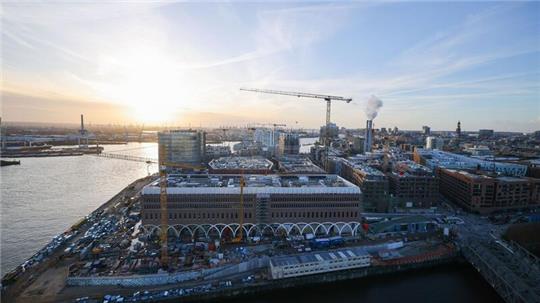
(484, 193)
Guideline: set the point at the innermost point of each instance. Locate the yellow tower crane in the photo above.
(163, 165)
(239, 237)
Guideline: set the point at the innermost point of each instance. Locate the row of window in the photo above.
(198, 216)
(209, 205)
(308, 205)
(315, 214)
(252, 198)
(322, 269)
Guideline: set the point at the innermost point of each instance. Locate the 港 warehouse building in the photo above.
(209, 205)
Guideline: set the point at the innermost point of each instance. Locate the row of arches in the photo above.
(221, 230)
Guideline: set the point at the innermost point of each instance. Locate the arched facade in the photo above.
(222, 230)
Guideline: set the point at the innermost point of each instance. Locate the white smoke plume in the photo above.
(372, 107)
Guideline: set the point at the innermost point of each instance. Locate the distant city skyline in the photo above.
(183, 63)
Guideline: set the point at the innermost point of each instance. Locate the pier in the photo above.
(127, 157)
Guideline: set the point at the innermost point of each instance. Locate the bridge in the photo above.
(510, 269)
(128, 158)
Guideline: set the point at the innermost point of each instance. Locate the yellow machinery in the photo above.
(163, 201)
(238, 237)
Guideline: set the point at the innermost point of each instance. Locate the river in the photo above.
(42, 197)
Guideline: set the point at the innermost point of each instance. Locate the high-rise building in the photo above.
(458, 129)
(182, 146)
(434, 143)
(289, 144)
(426, 130)
(266, 136)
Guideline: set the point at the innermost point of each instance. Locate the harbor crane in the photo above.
(327, 98)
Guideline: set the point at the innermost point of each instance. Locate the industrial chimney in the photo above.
(369, 136)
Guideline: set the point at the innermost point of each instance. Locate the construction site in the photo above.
(114, 253)
(211, 228)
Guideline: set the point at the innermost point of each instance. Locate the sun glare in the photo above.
(152, 84)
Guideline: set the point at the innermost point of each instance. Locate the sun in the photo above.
(152, 85)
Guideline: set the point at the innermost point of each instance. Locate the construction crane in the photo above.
(327, 98)
(163, 165)
(269, 124)
(239, 237)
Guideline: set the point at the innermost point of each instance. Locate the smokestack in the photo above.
(368, 142)
(82, 124)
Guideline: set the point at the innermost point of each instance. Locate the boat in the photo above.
(10, 162)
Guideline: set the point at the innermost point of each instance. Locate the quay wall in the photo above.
(271, 285)
(166, 278)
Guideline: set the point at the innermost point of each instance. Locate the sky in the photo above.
(165, 63)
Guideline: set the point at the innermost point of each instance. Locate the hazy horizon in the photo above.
(183, 63)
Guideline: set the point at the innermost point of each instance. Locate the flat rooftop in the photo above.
(437, 158)
(319, 256)
(361, 165)
(298, 165)
(230, 184)
(476, 176)
(247, 163)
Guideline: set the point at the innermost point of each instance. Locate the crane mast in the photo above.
(164, 203)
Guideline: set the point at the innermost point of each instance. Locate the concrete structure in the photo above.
(368, 143)
(209, 205)
(289, 144)
(426, 130)
(238, 165)
(440, 159)
(484, 193)
(182, 146)
(413, 185)
(434, 143)
(318, 262)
